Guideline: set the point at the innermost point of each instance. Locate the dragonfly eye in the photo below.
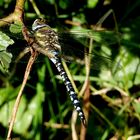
(38, 23)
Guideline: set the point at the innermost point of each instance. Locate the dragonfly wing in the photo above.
(75, 46)
(101, 37)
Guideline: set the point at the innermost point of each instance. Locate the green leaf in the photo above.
(5, 60)
(79, 18)
(64, 4)
(30, 113)
(92, 3)
(128, 74)
(5, 57)
(6, 94)
(15, 28)
(51, 1)
(5, 41)
(136, 106)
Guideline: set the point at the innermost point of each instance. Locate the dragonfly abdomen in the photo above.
(70, 89)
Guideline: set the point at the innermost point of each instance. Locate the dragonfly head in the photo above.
(39, 23)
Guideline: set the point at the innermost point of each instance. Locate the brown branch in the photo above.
(15, 108)
(16, 16)
(56, 125)
(86, 110)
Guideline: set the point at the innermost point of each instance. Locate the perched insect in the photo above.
(53, 45)
(48, 40)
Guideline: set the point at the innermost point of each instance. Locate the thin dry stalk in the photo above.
(16, 105)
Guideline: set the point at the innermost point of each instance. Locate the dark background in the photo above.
(115, 114)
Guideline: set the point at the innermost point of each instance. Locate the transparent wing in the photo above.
(101, 37)
(75, 45)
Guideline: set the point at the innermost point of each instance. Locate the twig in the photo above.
(102, 91)
(56, 125)
(73, 122)
(14, 112)
(72, 23)
(134, 137)
(86, 110)
(17, 15)
(19, 57)
(36, 8)
(86, 89)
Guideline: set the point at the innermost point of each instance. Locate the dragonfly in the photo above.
(51, 44)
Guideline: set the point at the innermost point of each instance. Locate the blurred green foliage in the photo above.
(115, 114)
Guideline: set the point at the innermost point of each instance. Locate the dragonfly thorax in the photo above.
(46, 37)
